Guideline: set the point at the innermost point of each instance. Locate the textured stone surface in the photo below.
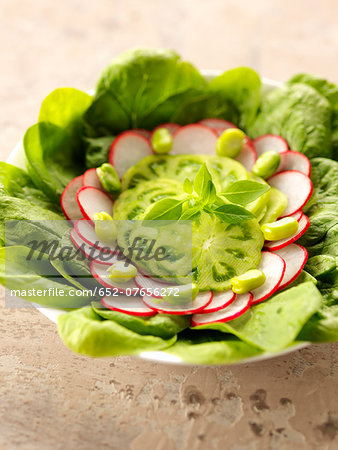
(51, 398)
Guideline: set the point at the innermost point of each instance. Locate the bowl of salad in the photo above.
(227, 181)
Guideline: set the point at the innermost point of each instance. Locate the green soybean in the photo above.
(248, 281)
(280, 229)
(162, 141)
(109, 179)
(267, 164)
(120, 272)
(105, 227)
(230, 143)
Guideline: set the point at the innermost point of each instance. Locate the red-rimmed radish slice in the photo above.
(200, 302)
(295, 257)
(90, 178)
(219, 301)
(92, 200)
(247, 156)
(127, 150)
(268, 142)
(303, 225)
(219, 125)
(171, 127)
(238, 307)
(91, 252)
(142, 132)
(273, 267)
(99, 271)
(297, 215)
(128, 305)
(194, 139)
(296, 186)
(69, 205)
(154, 286)
(294, 161)
(87, 233)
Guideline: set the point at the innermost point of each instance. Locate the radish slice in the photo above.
(220, 300)
(297, 215)
(200, 302)
(92, 200)
(142, 132)
(153, 287)
(127, 150)
(238, 307)
(171, 127)
(90, 178)
(91, 252)
(87, 233)
(303, 225)
(99, 271)
(295, 257)
(127, 304)
(219, 125)
(247, 156)
(294, 161)
(273, 267)
(268, 142)
(68, 202)
(194, 139)
(296, 186)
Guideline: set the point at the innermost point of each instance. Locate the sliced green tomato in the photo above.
(275, 206)
(179, 167)
(221, 251)
(248, 281)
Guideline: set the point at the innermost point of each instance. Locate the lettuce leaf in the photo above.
(211, 347)
(300, 114)
(273, 325)
(53, 146)
(141, 89)
(85, 332)
(161, 325)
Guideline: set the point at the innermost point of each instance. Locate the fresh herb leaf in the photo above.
(188, 186)
(165, 209)
(191, 213)
(201, 181)
(232, 214)
(243, 192)
(210, 193)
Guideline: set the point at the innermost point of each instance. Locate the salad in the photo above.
(231, 188)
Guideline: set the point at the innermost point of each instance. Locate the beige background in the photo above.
(52, 399)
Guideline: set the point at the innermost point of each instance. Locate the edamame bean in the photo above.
(105, 227)
(109, 179)
(230, 142)
(162, 141)
(248, 281)
(267, 164)
(186, 293)
(280, 229)
(122, 273)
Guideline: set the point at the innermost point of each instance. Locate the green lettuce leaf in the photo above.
(53, 146)
(162, 325)
(273, 325)
(97, 150)
(301, 115)
(85, 332)
(211, 347)
(141, 89)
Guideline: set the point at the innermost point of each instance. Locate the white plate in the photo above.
(17, 158)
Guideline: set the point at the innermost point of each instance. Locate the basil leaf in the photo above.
(210, 193)
(201, 181)
(244, 191)
(188, 186)
(232, 214)
(165, 209)
(191, 213)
